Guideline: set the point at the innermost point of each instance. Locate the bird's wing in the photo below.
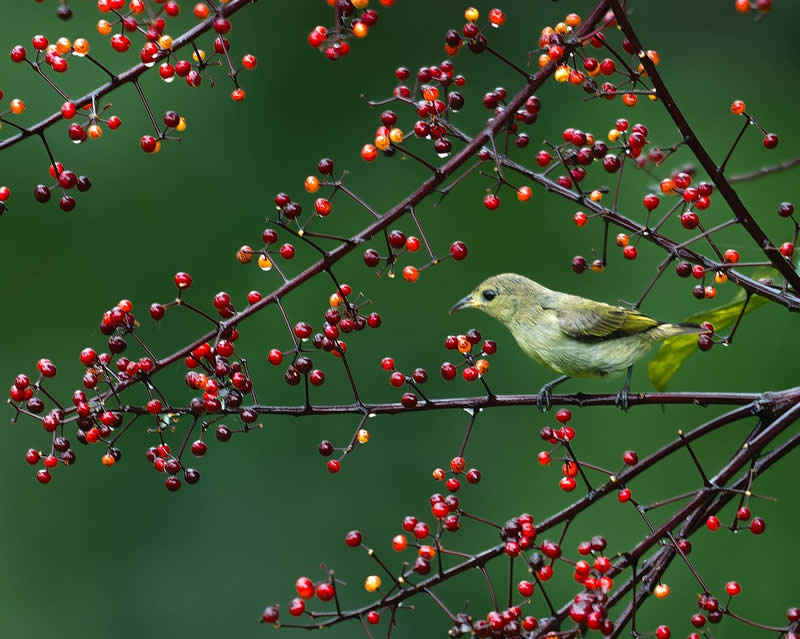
(585, 319)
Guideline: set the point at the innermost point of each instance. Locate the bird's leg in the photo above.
(543, 399)
(622, 396)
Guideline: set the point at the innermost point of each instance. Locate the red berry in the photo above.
(458, 250)
(712, 523)
(491, 201)
(757, 526)
(770, 140)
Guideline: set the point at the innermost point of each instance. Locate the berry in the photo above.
(757, 526)
(491, 201)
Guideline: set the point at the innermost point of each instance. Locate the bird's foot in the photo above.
(543, 398)
(622, 400)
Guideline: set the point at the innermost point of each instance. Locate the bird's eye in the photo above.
(489, 294)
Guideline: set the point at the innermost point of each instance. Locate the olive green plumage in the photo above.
(574, 336)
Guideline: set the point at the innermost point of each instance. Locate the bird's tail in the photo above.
(683, 328)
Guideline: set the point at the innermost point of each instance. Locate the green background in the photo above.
(108, 551)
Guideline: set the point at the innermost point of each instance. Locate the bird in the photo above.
(574, 336)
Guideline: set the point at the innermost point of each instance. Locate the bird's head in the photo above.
(502, 296)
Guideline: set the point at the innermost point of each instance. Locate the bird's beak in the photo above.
(465, 302)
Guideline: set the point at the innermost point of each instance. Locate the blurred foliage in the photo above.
(102, 552)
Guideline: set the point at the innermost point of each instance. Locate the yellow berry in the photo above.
(613, 135)
(181, 125)
(471, 14)
(103, 27)
(561, 28)
(720, 278)
(372, 583)
(562, 73)
(311, 184)
(17, 106)
(244, 254)
(264, 263)
(165, 42)
(94, 131)
(197, 57)
(80, 47)
(363, 436)
(63, 45)
(360, 30)
(360, 4)
(158, 147)
(396, 135)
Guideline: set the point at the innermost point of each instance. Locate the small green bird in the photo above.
(574, 336)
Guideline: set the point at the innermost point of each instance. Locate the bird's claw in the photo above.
(622, 400)
(543, 398)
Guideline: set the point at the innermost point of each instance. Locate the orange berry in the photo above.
(524, 193)
(667, 186)
(743, 6)
(108, 459)
(738, 107)
(630, 99)
(360, 29)
(661, 591)
(573, 20)
(544, 60)
(17, 106)
(244, 254)
(430, 93)
(622, 240)
(471, 14)
(496, 17)
(80, 47)
(311, 184)
(482, 366)
(410, 274)
(369, 152)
